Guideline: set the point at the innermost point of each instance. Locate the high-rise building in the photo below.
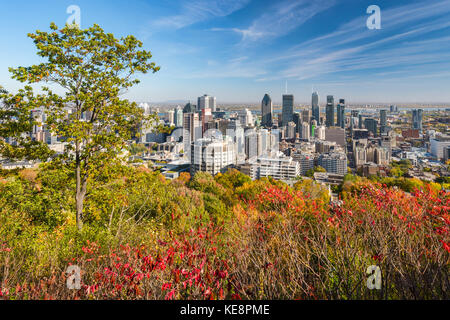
(251, 144)
(246, 118)
(372, 126)
(305, 160)
(306, 116)
(329, 122)
(437, 146)
(313, 128)
(291, 130)
(335, 135)
(266, 111)
(288, 109)
(171, 117)
(212, 155)
(278, 167)
(192, 131)
(315, 106)
(190, 108)
(206, 117)
(360, 121)
(417, 119)
(341, 114)
(236, 132)
(207, 102)
(383, 121)
(306, 133)
(334, 162)
(298, 122)
(320, 133)
(178, 117)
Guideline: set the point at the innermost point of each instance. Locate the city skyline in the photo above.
(237, 51)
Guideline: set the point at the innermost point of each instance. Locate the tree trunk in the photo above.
(79, 199)
(81, 189)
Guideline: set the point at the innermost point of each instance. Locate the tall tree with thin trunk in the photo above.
(92, 70)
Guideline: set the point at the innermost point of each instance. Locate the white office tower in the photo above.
(437, 146)
(212, 155)
(246, 118)
(192, 131)
(171, 117)
(306, 132)
(291, 130)
(207, 102)
(179, 117)
(264, 142)
(236, 133)
(320, 133)
(277, 166)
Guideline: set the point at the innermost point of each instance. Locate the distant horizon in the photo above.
(237, 50)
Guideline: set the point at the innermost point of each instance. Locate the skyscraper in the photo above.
(288, 109)
(297, 121)
(192, 131)
(305, 133)
(178, 117)
(371, 125)
(383, 121)
(341, 113)
(266, 111)
(207, 102)
(330, 112)
(417, 119)
(315, 106)
(306, 116)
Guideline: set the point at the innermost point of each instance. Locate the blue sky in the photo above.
(238, 50)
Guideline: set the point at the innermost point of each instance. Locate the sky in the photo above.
(239, 50)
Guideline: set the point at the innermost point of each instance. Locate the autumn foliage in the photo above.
(270, 241)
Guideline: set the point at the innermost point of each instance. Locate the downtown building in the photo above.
(287, 109)
(333, 162)
(278, 167)
(212, 155)
(329, 117)
(341, 114)
(315, 107)
(207, 102)
(267, 112)
(306, 161)
(192, 131)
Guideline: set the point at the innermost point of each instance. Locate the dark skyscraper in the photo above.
(371, 125)
(383, 121)
(266, 111)
(329, 122)
(341, 114)
(297, 121)
(417, 119)
(288, 109)
(315, 106)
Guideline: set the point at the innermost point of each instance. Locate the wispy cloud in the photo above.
(199, 10)
(281, 19)
(354, 48)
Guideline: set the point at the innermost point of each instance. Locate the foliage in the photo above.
(94, 69)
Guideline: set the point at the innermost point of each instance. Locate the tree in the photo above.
(93, 69)
(16, 124)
